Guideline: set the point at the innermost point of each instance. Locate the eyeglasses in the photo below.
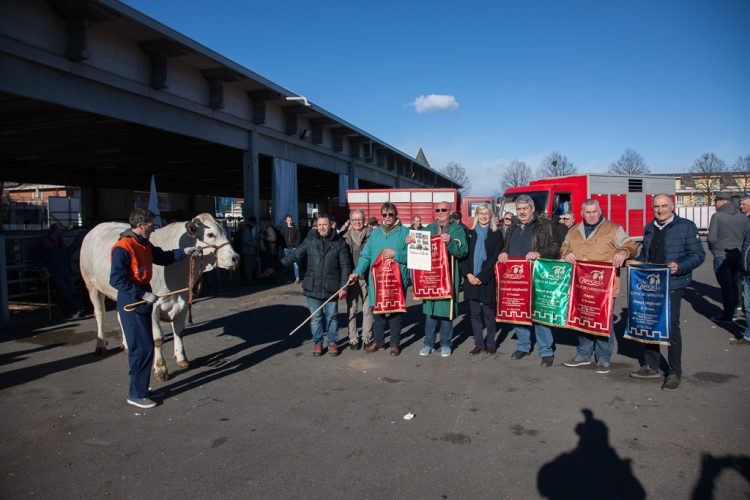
(508, 220)
(566, 218)
(438, 210)
(388, 214)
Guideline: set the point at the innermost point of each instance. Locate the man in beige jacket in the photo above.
(597, 239)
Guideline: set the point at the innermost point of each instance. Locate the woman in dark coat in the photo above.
(478, 270)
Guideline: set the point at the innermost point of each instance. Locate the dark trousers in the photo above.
(378, 328)
(482, 316)
(64, 293)
(727, 271)
(651, 354)
(137, 328)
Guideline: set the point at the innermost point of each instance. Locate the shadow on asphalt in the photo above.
(593, 470)
(711, 469)
(30, 373)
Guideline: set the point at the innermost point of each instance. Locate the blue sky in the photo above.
(668, 78)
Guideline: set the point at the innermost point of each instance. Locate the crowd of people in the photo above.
(339, 261)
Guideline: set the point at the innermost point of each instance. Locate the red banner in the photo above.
(591, 297)
(435, 284)
(389, 291)
(513, 291)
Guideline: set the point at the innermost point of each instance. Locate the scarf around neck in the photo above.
(480, 252)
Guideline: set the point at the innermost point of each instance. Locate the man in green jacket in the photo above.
(440, 313)
(389, 240)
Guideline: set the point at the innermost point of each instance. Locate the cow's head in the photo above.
(211, 235)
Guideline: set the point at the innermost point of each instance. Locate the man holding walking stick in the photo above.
(328, 266)
(133, 257)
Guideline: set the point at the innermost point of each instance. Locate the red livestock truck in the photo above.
(410, 202)
(625, 199)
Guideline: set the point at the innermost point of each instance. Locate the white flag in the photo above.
(153, 203)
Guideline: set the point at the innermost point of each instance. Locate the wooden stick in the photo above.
(131, 307)
(318, 309)
(49, 301)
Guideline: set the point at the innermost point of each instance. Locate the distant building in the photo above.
(699, 190)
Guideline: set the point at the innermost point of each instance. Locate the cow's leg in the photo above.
(160, 367)
(97, 300)
(178, 326)
(122, 331)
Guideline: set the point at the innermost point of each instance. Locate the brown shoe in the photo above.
(395, 351)
(333, 349)
(475, 351)
(317, 349)
(374, 347)
(491, 350)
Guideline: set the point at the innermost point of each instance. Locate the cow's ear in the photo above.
(192, 227)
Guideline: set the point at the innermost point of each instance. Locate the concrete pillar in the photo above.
(250, 179)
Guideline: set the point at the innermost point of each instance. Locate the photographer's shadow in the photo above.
(592, 470)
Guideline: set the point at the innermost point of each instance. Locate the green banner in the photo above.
(550, 290)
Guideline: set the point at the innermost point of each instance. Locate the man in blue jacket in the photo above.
(673, 241)
(133, 257)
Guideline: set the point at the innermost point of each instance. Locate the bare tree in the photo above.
(517, 174)
(455, 172)
(630, 163)
(555, 165)
(741, 170)
(707, 170)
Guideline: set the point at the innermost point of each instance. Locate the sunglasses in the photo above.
(566, 218)
(438, 210)
(508, 220)
(388, 214)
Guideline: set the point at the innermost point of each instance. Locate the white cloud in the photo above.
(435, 102)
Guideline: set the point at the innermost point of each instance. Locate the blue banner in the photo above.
(648, 304)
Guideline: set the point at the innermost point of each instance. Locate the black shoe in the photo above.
(547, 361)
(355, 346)
(646, 372)
(672, 382)
(721, 319)
(518, 355)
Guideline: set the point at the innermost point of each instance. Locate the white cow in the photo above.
(202, 232)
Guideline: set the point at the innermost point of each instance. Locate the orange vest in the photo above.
(141, 259)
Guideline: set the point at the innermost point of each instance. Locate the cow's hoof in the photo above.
(182, 364)
(161, 376)
(100, 351)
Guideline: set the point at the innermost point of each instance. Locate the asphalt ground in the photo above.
(257, 416)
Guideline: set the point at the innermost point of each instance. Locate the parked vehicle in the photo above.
(624, 199)
(410, 202)
(701, 216)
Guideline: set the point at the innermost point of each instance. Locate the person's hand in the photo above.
(619, 258)
(570, 258)
(674, 267)
(190, 250)
(353, 278)
(149, 297)
(473, 279)
(502, 258)
(409, 239)
(268, 272)
(533, 255)
(342, 294)
(388, 253)
(445, 237)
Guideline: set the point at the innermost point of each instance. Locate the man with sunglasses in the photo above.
(440, 313)
(389, 240)
(567, 220)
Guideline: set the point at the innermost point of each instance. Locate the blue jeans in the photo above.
(446, 331)
(746, 301)
(543, 339)
(287, 252)
(604, 346)
(325, 321)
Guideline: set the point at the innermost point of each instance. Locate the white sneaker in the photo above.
(445, 351)
(141, 402)
(426, 351)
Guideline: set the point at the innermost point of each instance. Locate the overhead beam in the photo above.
(159, 51)
(216, 78)
(258, 100)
